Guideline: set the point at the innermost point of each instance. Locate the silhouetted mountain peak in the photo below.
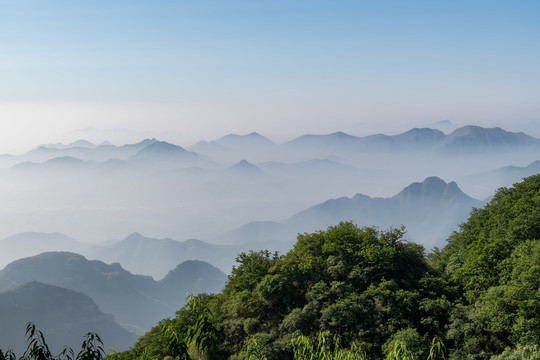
(235, 141)
(252, 135)
(82, 143)
(141, 144)
(85, 144)
(337, 139)
(443, 125)
(476, 137)
(244, 167)
(244, 164)
(162, 150)
(431, 189)
(340, 134)
(360, 197)
(163, 146)
(134, 236)
(474, 130)
(186, 269)
(136, 239)
(485, 133)
(420, 136)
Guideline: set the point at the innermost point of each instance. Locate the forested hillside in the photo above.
(480, 294)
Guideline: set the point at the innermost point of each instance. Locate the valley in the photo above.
(152, 221)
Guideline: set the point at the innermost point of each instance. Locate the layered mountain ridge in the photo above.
(136, 301)
(418, 207)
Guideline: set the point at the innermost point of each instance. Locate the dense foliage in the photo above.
(376, 294)
(494, 261)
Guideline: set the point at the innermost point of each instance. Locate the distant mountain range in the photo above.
(149, 151)
(275, 191)
(161, 151)
(78, 143)
(97, 192)
(246, 142)
(504, 176)
(156, 257)
(136, 253)
(430, 210)
(33, 243)
(84, 151)
(137, 302)
(465, 139)
(63, 315)
(468, 139)
(234, 143)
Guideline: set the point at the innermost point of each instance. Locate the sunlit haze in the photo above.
(218, 177)
(185, 71)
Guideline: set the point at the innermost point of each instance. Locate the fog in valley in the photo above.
(148, 147)
(123, 232)
(249, 192)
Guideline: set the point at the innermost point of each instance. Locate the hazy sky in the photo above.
(185, 70)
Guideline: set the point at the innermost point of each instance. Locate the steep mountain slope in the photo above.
(480, 294)
(430, 211)
(115, 290)
(63, 315)
(136, 301)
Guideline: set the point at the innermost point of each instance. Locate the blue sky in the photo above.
(201, 69)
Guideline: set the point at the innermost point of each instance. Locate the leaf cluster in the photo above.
(37, 348)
